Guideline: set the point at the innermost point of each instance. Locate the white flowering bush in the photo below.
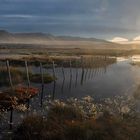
(119, 106)
(21, 108)
(83, 119)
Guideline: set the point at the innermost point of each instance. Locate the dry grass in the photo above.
(67, 123)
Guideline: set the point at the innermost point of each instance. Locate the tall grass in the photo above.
(68, 123)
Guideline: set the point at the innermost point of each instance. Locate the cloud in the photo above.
(99, 18)
(136, 38)
(119, 40)
(16, 16)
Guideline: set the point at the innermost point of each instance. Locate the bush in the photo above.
(32, 127)
(36, 78)
(17, 76)
(67, 123)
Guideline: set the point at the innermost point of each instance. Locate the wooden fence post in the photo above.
(70, 69)
(54, 75)
(9, 74)
(76, 73)
(63, 71)
(82, 65)
(28, 81)
(11, 84)
(42, 81)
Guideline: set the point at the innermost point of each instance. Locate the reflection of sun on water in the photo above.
(136, 58)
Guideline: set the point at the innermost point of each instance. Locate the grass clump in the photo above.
(31, 128)
(17, 76)
(65, 122)
(36, 78)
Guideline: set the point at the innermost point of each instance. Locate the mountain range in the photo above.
(7, 37)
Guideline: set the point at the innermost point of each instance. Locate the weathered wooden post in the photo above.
(105, 68)
(42, 83)
(28, 81)
(53, 64)
(86, 73)
(82, 65)
(70, 69)
(76, 72)
(70, 84)
(62, 88)
(54, 75)
(63, 70)
(90, 73)
(11, 84)
(92, 67)
(54, 86)
(89, 69)
(27, 74)
(11, 118)
(9, 74)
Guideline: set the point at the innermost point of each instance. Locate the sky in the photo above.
(87, 18)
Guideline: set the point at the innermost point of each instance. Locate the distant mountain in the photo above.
(6, 36)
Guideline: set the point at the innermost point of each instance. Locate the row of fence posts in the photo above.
(84, 73)
(28, 84)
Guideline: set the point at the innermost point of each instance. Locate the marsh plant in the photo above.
(120, 105)
(16, 74)
(19, 76)
(83, 119)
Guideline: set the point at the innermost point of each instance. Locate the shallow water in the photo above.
(120, 78)
(116, 79)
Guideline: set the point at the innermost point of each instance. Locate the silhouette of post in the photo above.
(11, 118)
(42, 83)
(62, 88)
(53, 64)
(82, 65)
(70, 69)
(11, 84)
(28, 81)
(54, 75)
(9, 74)
(76, 73)
(63, 70)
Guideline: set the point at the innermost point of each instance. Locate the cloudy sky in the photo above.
(95, 18)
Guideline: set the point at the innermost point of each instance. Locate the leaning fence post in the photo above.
(42, 80)
(54, 75)
(70, 69)
(76, 73)
(63, 70)
(11, 84)
(28, 80)
(9, 74)
(27, 74)
(53, 69)
(11, 118)
(62, 88)
(82, 64)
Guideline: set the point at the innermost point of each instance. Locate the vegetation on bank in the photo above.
(135, 64)
(83, 120)
(47, 78)
(20, 93)
(19, 76)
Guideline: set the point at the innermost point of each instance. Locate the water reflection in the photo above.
(92, 79)
(63, 84)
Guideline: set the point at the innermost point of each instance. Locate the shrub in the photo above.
(36, 78)
(65, 122)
